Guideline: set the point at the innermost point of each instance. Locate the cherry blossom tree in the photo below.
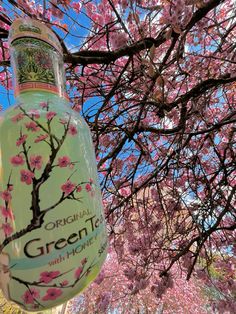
(119, 289)
(155, 81)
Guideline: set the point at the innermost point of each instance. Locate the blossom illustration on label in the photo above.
(52, 228)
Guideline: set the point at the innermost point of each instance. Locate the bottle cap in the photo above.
(27, 27)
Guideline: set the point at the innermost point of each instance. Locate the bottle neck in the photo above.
(38, 67)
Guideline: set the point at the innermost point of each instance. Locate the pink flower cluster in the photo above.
(55, 11)
(104, 302)
(17, 117)
(118, 40)
(30, 295)
(68, 187)
(64, 161)
(178, 14)
(48, 276)
(7, 228)
(36, 162)
(76, 6)
(72, 130)
(26, 176)
(64, 283)
(100, 278)
(79, 189)
(43, 105)
(160, 286)
(40, 138)
(50, 115)
(52, 294)
(79, 270)
(33, 113)
(21, 140)
(88, 187)
(32, 126)
(17, 160)
(7, 212)
(6, 195)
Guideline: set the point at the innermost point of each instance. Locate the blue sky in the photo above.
(6, 97)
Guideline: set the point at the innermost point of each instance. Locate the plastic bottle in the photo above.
(52, 229)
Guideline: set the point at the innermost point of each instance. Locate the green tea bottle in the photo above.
(52, 230)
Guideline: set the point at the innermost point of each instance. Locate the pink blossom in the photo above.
(84, 261)
(17, 117)
(68, 187)
(40, 138)
(6, 195)
(79, 189)
(30, 295)
(32, 126)
(50, 115)
(100, 278)
(47, 277)
(141, 284)
(7, 228)
(104, 302)
(27, 297)
(71, 166)
(130, 273)
(52, 294)
(90, 7)
(72, 130)
(76, 6)
(10, 187)
(21, 140)
(17, 160)
(26, 176)
(63, 121)
(135, 247)
(98, 18)
(118, 40)
(77, 107)
(64, 283)
(91, 181)
(63, 161)
(56, 12)
(78, 272)
(43, 104)
(7, 212)
(88, 187)
(125, 191)
(34, 114)
(36, 161)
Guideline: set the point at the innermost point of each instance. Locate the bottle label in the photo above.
(38, 67)
(52, 229)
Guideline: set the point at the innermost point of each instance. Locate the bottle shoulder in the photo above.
(44, 111)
